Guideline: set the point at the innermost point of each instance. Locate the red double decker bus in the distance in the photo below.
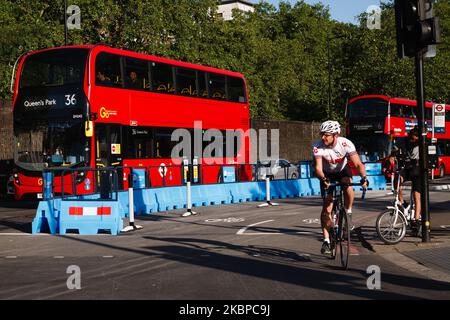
(376, 122)
(95, 106)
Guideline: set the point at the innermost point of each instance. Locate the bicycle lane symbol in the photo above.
(227, 220)
(311, 221)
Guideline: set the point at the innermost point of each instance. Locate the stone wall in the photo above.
(6, 136)
(296, 137)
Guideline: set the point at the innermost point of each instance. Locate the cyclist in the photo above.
(412, 172)
(331, 154)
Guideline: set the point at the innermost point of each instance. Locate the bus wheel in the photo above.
(441, 171)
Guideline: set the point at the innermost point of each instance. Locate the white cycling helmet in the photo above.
(330, 127)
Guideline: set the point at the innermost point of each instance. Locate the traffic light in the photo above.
(416, 26)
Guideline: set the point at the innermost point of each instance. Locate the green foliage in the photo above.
(282, 52)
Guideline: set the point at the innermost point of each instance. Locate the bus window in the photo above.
(202, 84)
(428, 112)
(440, 148)
(136, 74)
(217, 86)
(107, 70)
(409, 112)
(236, 91)
(396, 110)
(162, 78)
(446, 151)
(186, 82)
(368, 108)
(140, 143)
(213, 143)
(163, 143)
(54, 68)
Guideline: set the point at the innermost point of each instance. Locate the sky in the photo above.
(341, 10)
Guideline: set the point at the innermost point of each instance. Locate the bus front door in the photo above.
(108, 154)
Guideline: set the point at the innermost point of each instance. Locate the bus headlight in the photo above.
(16, 179)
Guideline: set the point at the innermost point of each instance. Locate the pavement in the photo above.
(433, 185)
(429, 258)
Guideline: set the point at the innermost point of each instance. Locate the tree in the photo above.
(282, 52)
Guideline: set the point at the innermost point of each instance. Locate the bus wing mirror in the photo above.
(88, 128)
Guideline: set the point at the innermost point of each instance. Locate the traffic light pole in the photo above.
(424, 198)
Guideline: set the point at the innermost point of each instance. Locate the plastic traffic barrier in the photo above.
(90, 217)
(212, 194)
(139, 178)
(282, 189)
(170, 198)
(309, 187)
(247, 191)
(46, 219)
(373, 169)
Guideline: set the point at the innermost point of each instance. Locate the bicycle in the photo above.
(340, 229)
(391, 225)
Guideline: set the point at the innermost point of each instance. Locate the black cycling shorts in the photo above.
(336, 177)
(413, 175)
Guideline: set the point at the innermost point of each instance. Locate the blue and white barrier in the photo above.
(88, 214)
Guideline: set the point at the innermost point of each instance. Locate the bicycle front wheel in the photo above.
(391, 226)
(344, 240)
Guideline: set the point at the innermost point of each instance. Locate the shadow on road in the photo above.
(274, 264)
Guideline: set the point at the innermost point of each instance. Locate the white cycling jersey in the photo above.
(334, 158)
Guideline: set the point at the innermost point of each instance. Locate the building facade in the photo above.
(226, 8)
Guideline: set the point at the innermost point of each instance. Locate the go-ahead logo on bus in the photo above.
(105, 113)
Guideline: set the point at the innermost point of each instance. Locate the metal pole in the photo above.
(424, 199)
(432, 136)
(131, 226)
(131, 204)
(189, 199)
(65, 22)
(188, 193)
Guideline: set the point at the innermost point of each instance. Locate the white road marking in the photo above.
(229, 220)
(242, 230)
(108, 257)
(11, 257)
(58, 257)
(311, 221)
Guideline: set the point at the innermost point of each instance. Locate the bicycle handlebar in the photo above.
(337, 184)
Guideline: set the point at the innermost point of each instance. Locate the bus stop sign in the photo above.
(439, 118)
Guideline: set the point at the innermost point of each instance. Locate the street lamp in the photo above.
(329, 71)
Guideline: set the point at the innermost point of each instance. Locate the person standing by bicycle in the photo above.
(331, 165)
(412, 172)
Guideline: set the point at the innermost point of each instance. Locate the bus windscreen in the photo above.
(368, 108)
(49, 144)
(54, 68)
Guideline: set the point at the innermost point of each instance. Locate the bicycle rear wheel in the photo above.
(344, 239)
(391, 227)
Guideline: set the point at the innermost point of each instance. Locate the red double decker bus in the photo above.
(376, 122)
(95, 106)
